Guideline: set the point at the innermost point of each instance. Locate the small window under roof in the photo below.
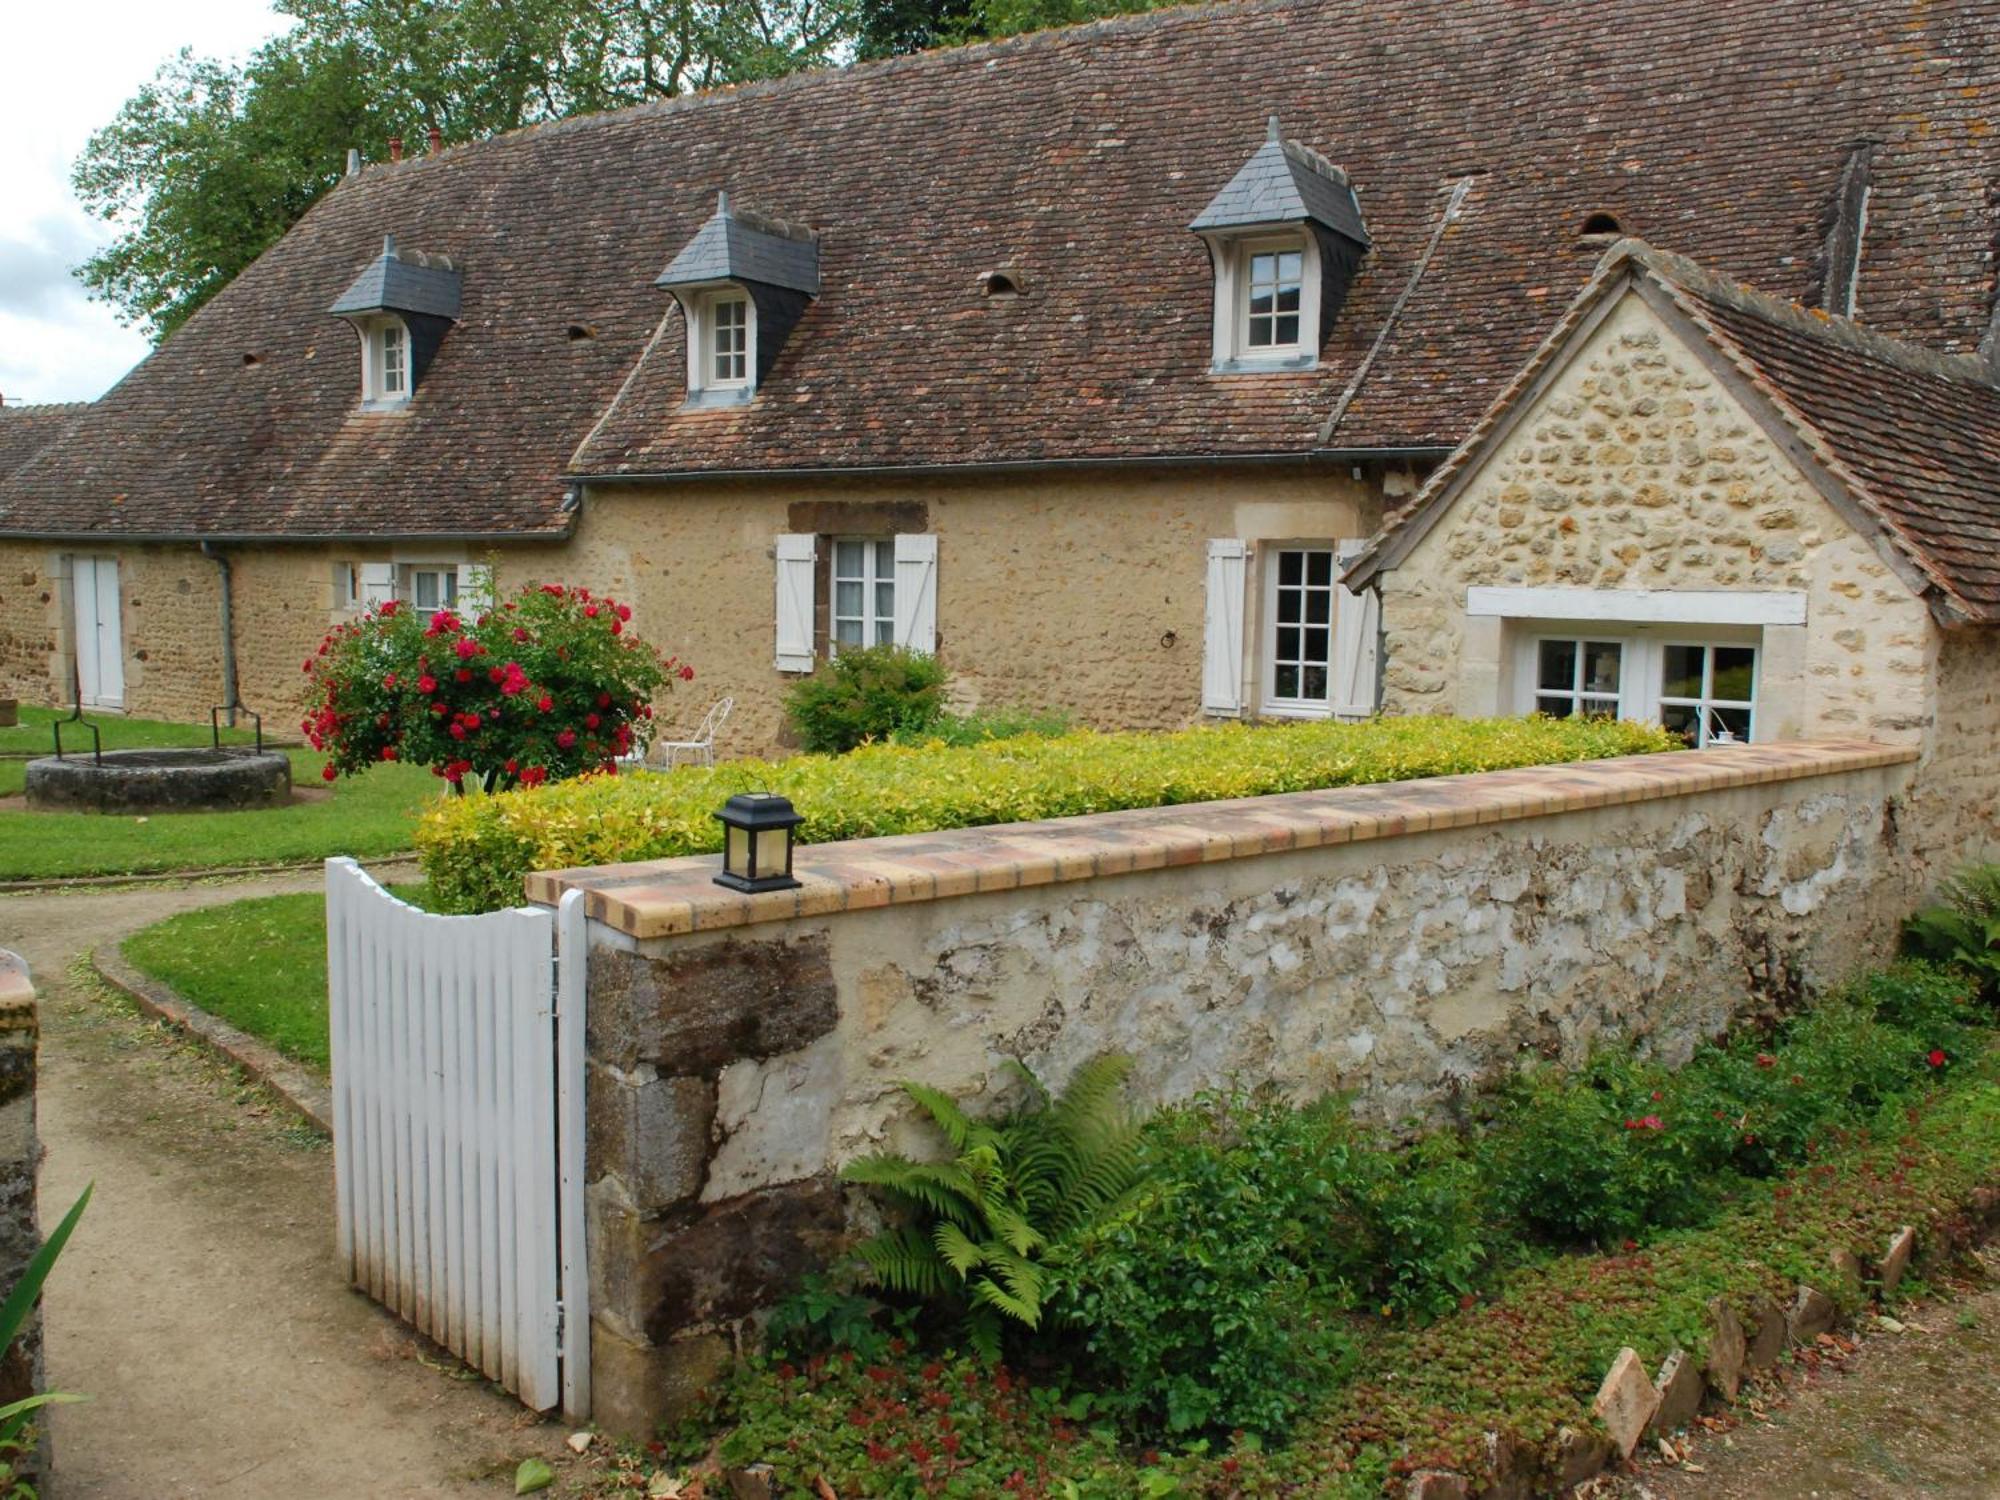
(1005, 282)
(1601, 225)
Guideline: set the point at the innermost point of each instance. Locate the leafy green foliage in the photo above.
(539, 687)
(866, 693)
(978, 1226)
(475, 850)
(987, 724)
(15, 1434)
(823, 1316)
(1963, 926)
(209, 165)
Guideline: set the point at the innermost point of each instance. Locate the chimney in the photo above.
(395, 148)
(437, 139)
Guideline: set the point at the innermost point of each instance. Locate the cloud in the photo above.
(35, 266)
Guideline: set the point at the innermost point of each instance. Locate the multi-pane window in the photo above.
(1301, 658)
(1273, 286)
(864, 591)
(1578, 677)
(395, 360)
(729, 341)
(1708, 693)
(433, 588)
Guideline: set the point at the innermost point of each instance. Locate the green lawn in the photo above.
(259, 964)
(366, 816)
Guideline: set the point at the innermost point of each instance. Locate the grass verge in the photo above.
(367, 816)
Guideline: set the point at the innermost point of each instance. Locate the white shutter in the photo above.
(795, 603)
(1357, 634)
(378, 583)
(1222, 641)
(475, 587)
(916, 592)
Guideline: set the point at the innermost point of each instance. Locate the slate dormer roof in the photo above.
(738, 246)
(1285, 182)
(1078, 156)
(427, 285)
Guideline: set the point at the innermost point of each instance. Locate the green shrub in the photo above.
(1210, 1302)
(866, 693)
(475, 850)
(1963, 926)
(1426, 1213)
(988, 724)
(977, 1227)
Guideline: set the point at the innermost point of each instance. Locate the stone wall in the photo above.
(1401, 942)
(20, 1157)
(1636, 469)
(30, 651)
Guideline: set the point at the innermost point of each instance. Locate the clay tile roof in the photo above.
(1079, 157)
(26, 430)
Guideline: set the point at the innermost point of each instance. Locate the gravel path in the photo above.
(199, 1304)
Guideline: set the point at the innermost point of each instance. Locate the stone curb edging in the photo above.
(169, 877)
(294, 1085)
(1631, 1407)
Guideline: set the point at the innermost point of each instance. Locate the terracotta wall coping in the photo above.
(668, 897)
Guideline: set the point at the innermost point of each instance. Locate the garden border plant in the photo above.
(477, 850)
(1876, 1106)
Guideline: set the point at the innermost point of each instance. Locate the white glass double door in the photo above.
(100, 644)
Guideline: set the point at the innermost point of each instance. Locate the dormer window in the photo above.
(1285, 239)
(402, 306)
(743, 282)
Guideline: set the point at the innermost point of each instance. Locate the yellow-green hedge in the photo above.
(476, 849)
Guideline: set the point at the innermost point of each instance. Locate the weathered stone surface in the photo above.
(774, 1118)
(1437, 1484)
(1846, 1268)
(1724, 1366)
(1626, 1401)
(652, 1133)
(1812, 1313)
(1681, 1388)
(1896, 1259)
(161, 780)
(705, 1005)
(634, 1385)
(1510, 1467)
(753, 1482)
(1578, 1456)
(746, 1253)
(1767, 1342)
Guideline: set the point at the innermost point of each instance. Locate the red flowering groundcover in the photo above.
(545, 685)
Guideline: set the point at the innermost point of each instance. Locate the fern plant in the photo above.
(1963, 926)
(979, 1224)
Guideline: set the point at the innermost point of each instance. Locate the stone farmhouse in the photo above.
(1094, 359)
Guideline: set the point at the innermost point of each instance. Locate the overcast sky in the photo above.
(64, 70)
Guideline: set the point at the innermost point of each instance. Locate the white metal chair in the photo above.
(700, 750)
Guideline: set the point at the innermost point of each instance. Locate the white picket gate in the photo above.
(458, 1128)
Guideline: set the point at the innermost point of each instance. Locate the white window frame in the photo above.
(446, 574)
(877, 627)
(1231, 256)
(1578, 692)
(1270, 562)
(1642, 664)
(701, 308)
(1707, 700)
(377, 366)
(346, 588)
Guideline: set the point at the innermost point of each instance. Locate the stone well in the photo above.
(134, 781)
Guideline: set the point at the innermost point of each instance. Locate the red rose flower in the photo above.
(466, 647)
(458, 731)
(388, 752)
(591, 721)
(463, 674)
(1936, 1058)
(520, 631)
(566, 739)
(624, 611)
(687, 674)
(328, 773)
(427, 684)
(545, 703)
(1765, 1060)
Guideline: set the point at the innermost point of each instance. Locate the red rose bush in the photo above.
(546, 685)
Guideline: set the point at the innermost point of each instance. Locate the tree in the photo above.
(209, 165)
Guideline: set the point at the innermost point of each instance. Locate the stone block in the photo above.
(1681, 1388)
(1812, 1313)
(1896, 1260)
(1767, 1341)
(635, 1386)
(753, 1482)
(1846, 1268)
(1723, 1368)
(1578, 1456)
(1626, 1401)
(1437, 1484)
(697, 1008)
(1510, 1466)
(653, 1135)
(741, 1255)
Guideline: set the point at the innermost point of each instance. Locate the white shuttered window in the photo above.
(1222, 637)
(795, 602)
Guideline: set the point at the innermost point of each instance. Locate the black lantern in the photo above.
(757, 842)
